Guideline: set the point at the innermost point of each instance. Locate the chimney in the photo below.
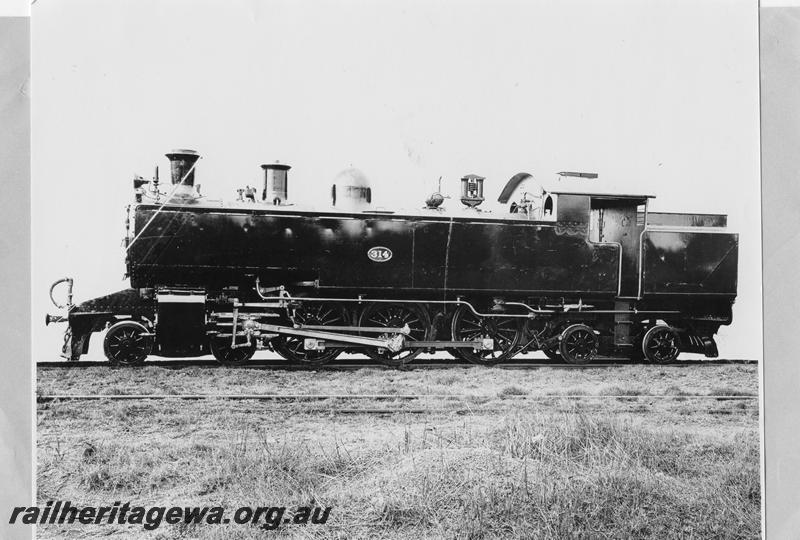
(181, 162)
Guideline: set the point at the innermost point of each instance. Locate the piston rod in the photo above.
(394, 343)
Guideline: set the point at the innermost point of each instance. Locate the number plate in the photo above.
(379, 254)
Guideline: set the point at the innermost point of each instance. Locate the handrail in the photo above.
(69, 281)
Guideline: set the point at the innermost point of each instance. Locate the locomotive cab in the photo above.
(618, 220)
(614, 220)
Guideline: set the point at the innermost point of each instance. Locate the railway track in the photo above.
(357, 363)
(378, 397)
(345, 404)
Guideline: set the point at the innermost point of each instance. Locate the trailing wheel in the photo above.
(293, 349)
(578, 344)
(227, 355)
(661, 344)
(127, 343)
(398, 315)
(505, 333)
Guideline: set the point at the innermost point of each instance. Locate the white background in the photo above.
(657, 97)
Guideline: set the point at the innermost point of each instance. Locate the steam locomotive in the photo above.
(574, 274)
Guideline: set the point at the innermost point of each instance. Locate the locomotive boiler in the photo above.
(574, 274)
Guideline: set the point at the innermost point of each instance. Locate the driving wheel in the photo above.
(505, 333)
(388, 315)
(292, 348)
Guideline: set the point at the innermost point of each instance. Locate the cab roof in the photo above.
(561, 189)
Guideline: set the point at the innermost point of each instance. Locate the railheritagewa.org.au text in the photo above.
(152, 517)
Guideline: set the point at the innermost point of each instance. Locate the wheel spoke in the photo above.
(395, 316)
(505, 334)
(292, 348)
(470, 335)
(125, 344)
(661, 344)
(578, 344)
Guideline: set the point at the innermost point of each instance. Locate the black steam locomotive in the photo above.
(572, 274)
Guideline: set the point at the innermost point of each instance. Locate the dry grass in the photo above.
(569, 474)
(512, 390)
(547, 470)
(625, 390)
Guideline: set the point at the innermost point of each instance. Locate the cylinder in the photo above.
(276, 183)
(182, 162)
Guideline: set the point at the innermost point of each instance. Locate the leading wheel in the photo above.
(226, 354)
(505, 333)
(578, 344)
(293, 349)
(387, 315)
(661, 344)
(127, 343)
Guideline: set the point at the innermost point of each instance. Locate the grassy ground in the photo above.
(630, 379)
(490, 465)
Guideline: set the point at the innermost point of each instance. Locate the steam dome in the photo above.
(351, 190)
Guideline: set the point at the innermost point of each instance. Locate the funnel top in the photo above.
(276, 166)
(182, 152)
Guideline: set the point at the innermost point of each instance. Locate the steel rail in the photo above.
(373, 397)
(332, 366)
(366, 363)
